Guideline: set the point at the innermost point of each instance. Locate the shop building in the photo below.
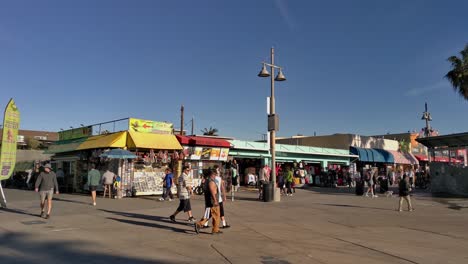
(252, 156)
(152, 142)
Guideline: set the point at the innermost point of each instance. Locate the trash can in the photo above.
(268, 192)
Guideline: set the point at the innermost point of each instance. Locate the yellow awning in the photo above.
(152, 141)
(115, 140)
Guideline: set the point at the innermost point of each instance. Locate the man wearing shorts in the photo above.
(94, 179)
(184, 190)
(45, 184)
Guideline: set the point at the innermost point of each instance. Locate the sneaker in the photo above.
(172, 218)
(197, 228)
(43, 214)
(400, 210)
(192, 219)
(161, 199)
(226, 226)
(47, 216)
(411, 210)
(205, 226)
(94, 204)
(170, 200)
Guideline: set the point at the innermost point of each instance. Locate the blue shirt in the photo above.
(168, 180)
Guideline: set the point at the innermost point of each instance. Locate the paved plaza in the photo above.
(314, 226)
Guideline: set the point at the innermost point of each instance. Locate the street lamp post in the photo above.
(273, 123)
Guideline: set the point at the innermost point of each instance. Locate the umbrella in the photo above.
(118, 154)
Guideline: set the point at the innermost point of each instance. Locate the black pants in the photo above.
(288, 186)
(167, 192)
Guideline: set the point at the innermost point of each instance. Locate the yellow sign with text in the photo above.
(148, 126)
(11, 120)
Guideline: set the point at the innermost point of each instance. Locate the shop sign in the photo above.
(76, 133)
(206, 154)
(186, 152)
(149, 126)
(11, 120)
(224, 154)
(196, 153)
(215, 152)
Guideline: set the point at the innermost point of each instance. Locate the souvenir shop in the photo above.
(142, 175)
(305, 161)
(201, 153)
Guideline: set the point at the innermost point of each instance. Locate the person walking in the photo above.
(184, 191)
(94, 177)
(404, 188)
(220, 183)
(211, 201)
(289, 180)
(370, 183)
(167, 185)
(45, 184)
(108, 181)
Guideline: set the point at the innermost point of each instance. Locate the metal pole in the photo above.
(182, 120)
(3, 202)
(273, 132)
(193, 124)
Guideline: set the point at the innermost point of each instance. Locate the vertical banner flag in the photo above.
(11, 121)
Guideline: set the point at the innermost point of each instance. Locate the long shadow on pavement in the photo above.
(154, 225)
(69, 201)
(16, 211)
(356, 206)
(34, 250)
(162, 219)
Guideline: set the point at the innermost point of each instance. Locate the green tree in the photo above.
(458, 75)
(33, 143)
(210, 131)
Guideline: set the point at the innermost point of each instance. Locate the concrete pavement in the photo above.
(313, 226)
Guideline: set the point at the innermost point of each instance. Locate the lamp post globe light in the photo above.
(273, 123)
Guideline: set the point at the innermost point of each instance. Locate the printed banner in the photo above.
(11, 120)
(148, 126)
(215, 152)
(224, 154)
(196, 154)
(206, 154)
(76, 133)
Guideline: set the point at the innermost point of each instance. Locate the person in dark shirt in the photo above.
(211, 201)
(404, 188)
(45, 184)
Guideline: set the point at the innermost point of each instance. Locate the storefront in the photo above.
(373, 158)
(202, 152)
(140, 176)
(306, 161)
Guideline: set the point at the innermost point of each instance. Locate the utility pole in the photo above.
(193, 124)
(427, 116)
(182, 120)
(427, 130)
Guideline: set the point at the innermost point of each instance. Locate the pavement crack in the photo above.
(375, 250)
(221, 254)
(335, 223)
(432, 232)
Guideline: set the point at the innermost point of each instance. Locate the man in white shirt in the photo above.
(108, 181)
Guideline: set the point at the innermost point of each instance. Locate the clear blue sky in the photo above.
(352, 66)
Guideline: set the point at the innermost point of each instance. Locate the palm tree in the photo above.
(210, 132)
(458, 76)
